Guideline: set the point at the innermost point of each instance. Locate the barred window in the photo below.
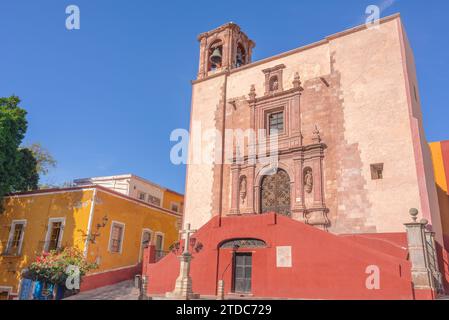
(276, 122)
(159, 242)
(55, 234)
(142, 196)
(377, 171)
(154, 200)
(175, 206)
(116, 239)
(15, 239)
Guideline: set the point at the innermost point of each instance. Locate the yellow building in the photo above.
(440, 158)
(111, 228)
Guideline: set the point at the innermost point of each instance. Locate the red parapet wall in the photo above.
(107, 278)
(324, 265)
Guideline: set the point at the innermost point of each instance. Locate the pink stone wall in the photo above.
(355, 92)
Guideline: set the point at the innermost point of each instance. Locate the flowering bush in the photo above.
(51, 267)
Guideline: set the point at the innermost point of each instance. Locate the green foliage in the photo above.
(52, 267)
(26, 169)
(17, 166)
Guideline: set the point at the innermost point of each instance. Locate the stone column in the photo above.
(250, 188)
(143, 289)
(317, 214)
(298, 200)
(317, 183)
(203, 58)
(183, 285)
(235, 177)
(220, 290)
(421, 273)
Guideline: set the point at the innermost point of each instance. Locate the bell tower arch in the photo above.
(223, 49)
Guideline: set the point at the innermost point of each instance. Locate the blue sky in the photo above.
(104, 99)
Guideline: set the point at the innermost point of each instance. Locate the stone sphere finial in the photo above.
(414, 213)
(424, 222)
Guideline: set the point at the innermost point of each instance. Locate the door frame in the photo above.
(234, 255)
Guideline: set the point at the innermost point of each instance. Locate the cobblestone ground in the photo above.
(126, 291)
(121, 291)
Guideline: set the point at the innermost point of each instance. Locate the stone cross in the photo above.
(187, 231)
(183, 284)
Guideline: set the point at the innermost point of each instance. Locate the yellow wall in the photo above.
(136, 217)
(75, 207)
(172, 197)
(37, 209)
(442, 185)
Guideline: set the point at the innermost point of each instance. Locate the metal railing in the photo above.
(47, 246)
(160, 254)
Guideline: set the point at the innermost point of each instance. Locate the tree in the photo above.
(44, 159)
(16, 165)
(26, 168)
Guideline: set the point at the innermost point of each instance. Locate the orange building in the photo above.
(440, 157)
(110, 227)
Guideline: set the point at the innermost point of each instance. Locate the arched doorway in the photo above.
(275, 193)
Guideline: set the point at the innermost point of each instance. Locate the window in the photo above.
(5, 292)
(174, 206)
(160, 253)
(276, 122)
(215, 56)
(146, 241)
(142, 196)
(154, 200)
(116, 237)
(377, 171)
(159, 242)
(54, 234)
(15, 238)
(241, 56)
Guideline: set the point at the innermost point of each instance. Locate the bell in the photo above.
(215, 58)
(239, 59)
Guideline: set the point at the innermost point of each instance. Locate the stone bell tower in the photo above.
(223, 49)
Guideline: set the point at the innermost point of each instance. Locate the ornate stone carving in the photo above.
(297, 82)
(243, 244)
(273, 79)
(308, 180)
(252, 92)
(316, 135)
(274, 84)
(243, 188)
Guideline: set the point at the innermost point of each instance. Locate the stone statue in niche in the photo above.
(243, 189)
(274, 84)
(308, 180)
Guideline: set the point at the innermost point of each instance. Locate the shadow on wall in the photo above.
(36, 209)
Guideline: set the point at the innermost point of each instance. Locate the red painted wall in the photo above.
(325, 266)
(94, 281)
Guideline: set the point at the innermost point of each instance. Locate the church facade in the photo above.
(318, 213)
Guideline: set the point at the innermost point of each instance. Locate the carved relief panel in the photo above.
(296, 188)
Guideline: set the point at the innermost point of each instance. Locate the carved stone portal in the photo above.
(297, 190)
